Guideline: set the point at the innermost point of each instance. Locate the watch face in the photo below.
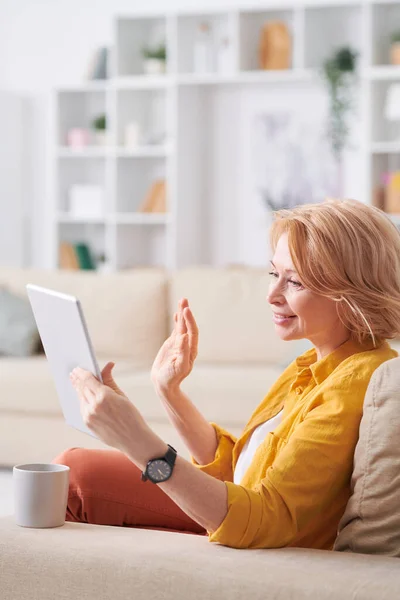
(159, 470)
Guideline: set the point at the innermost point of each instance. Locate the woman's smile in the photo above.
(283, 319)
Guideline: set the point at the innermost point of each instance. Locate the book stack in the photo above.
(75, 257)
(155, 200)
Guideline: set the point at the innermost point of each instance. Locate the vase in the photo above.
(203, 50)
(77, 137)
(100, 138)
(154, 66)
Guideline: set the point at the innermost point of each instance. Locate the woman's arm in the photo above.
(197, 434)
(199, 495)
(118, 423)
(210, 446)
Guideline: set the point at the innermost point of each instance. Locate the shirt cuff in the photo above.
(221, 466)
(243, 519)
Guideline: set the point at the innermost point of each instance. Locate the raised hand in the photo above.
(176, 356)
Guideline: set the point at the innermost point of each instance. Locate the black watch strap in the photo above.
(170, 455)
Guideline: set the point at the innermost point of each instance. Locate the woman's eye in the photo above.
(295, 283)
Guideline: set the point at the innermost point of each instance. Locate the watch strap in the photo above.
(170, 455)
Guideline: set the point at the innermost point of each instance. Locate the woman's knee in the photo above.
(67, 457)
(89, 468)
(75, 459)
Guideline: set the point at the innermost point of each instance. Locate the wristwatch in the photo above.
(160, 469)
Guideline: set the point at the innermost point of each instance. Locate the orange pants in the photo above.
(105, 488)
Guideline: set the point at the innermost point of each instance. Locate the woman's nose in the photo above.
(275, 295)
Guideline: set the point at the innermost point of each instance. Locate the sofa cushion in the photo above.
(233, 315)
(18, 332)
(225, 394)
(85, 561)
(371, 521)
(126, 312)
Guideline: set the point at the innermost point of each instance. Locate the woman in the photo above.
(335, 280)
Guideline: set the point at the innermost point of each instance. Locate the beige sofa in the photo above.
(129, 315)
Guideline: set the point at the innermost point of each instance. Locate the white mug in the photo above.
(40, 494)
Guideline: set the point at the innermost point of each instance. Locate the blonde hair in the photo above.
(349, 252)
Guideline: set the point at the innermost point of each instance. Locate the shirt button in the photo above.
(299, 390)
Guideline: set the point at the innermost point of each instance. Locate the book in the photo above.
(84, 256)
(159, 204)
(155, 200)
(67, 257)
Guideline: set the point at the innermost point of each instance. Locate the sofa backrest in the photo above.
(233, 315)
(371, 521)
(126, 312)
(130, 313)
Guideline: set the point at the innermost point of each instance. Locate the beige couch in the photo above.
(129, 315)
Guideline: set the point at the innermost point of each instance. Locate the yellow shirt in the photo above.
(298, 484)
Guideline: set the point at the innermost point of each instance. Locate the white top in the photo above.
(250, 447)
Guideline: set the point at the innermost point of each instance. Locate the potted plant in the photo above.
(99, 126)
(395, 48)
(339, 74)
(154, 59)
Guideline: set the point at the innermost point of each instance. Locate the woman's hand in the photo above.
(108, 413)
(176, 356)
(108, 379)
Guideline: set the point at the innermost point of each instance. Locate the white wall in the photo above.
(42, 43)
(14, 177)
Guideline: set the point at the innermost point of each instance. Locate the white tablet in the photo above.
(65, 338)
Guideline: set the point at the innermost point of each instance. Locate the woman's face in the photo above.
(298, 312)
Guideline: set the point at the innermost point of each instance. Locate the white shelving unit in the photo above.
(198, 168)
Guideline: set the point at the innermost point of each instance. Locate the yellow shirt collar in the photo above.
(322, 368)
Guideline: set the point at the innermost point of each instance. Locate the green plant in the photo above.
(100, 123)
(395, 37)
(338, 72)
(159, 53)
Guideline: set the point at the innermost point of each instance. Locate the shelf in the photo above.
(93, 152)
(216, 32)
(100, 85)
(147, 82)
(284, 76)
(142, 82)
(132, 34)
(147, 110)
(385, 148)
(144, 152)
(140, 218)
(328, 27)
(199, 114)
(384, 73)
(384, 21)
(251, 25)
(85, 152)
(64, 217)
(127, 218)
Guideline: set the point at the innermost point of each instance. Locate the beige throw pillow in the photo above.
(371, 521)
